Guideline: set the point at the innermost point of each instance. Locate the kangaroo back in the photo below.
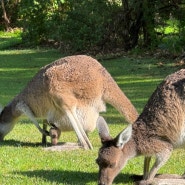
(81, 77)
(164, 113)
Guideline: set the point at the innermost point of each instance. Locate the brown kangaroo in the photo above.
(158, 130)
(69, 94)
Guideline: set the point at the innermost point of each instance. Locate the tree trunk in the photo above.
(6, 20)
(148, 23)
(132, 22)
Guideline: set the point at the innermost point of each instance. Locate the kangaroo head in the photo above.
(111, 157)
(6, 121)
(54, 133)
(2, 129)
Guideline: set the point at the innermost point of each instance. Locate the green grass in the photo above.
(22, 158)
(10, 39)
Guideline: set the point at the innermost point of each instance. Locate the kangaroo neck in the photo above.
(143, 138)
(130, 149)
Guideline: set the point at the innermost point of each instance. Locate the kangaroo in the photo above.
(68, 94)
(159, 129)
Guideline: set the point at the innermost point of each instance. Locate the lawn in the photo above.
(23, 160)
(10, 39)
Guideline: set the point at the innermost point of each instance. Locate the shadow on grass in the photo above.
(10, 42)
(17, 143)
(72, 177)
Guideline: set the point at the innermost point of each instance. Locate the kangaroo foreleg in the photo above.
(44, 139)
(26, 110)
(161, 159)
(146, 167)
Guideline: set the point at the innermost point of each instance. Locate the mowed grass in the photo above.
(10, 39)
(22, 158)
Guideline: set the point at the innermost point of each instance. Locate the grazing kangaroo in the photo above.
(69, 94)
(158, 130)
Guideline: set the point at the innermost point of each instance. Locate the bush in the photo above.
(78, 24)
(98, 25)
(33, 16)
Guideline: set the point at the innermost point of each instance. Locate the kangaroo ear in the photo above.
(103, 129)
(124, 136)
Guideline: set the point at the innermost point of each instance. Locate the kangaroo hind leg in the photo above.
(68, 105)
(77, 126)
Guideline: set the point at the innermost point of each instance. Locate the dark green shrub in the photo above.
(81, 24)
(33, 16)
(77, 24)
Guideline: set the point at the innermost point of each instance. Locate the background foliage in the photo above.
(99, 25)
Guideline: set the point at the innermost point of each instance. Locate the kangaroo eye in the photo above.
(112, 165)
(102, 163)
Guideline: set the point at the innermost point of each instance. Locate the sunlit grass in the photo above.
(10, 39)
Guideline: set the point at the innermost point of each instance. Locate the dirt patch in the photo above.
(164, 179)
(64, 147)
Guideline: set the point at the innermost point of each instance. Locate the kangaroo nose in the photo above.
(101, 183)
